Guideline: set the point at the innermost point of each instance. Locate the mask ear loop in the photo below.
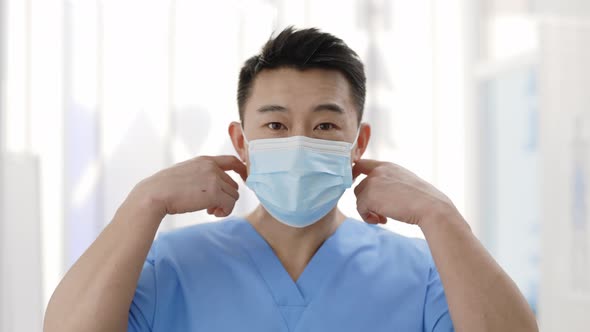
(354, 143)
(244, 134)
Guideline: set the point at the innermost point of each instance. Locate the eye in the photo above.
(275, 126)
(326, 126)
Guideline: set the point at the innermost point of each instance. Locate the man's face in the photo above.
(284, 102)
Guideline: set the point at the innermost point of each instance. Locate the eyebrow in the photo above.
(272, 108)
(330, 107)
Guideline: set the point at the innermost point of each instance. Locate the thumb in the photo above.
(232, 163)
(364, 166)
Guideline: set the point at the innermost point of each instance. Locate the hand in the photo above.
(193, 185)
(391, 191)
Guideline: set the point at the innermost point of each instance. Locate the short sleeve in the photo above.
(436, 309)
(143, 306)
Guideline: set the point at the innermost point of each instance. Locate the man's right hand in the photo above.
(96, 293)
(193, 185)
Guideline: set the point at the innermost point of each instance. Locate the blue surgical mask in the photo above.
(298, 179)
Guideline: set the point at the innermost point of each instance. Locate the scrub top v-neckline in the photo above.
(223, 276)
(293, 297)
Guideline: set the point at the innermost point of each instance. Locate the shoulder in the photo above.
(199, 241)
(397, 247)
(202, 231)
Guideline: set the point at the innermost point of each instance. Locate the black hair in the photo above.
(305, 49)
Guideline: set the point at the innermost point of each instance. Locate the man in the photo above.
(296, 263)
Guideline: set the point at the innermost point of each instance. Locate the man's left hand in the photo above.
(391, 191)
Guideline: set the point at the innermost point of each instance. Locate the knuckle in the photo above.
(232, 203)
(202, 159)
(205, 160)
(227, 208)
(211, 169)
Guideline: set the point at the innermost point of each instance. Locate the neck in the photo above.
(294, 246)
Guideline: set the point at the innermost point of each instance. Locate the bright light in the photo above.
(512, 35)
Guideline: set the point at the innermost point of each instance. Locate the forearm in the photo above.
(97, 291)
(481, 296)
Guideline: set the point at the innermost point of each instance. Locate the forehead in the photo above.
(300, 89)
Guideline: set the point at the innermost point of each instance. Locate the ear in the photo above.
(237, 138)
(362, 142)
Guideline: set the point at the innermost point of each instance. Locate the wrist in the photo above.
(444, 215)
(141, 202)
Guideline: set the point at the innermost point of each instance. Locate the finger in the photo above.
(367, 215)
(231, 163)
(227, 179)
(355, 173)
(223, 205)
(377, 218)
(218, 212)
(360, 187)
(382, 219)
(373, 218)
(363, 211)
(229, 189)
(211, 210)
(370, 218)
(364, 166)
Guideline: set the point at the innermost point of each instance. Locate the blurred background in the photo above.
(489, 100)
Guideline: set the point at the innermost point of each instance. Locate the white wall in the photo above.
(21, 296)
(2, 78)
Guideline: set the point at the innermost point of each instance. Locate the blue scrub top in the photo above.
(223, 276)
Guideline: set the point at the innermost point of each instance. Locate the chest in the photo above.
(352, 298)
